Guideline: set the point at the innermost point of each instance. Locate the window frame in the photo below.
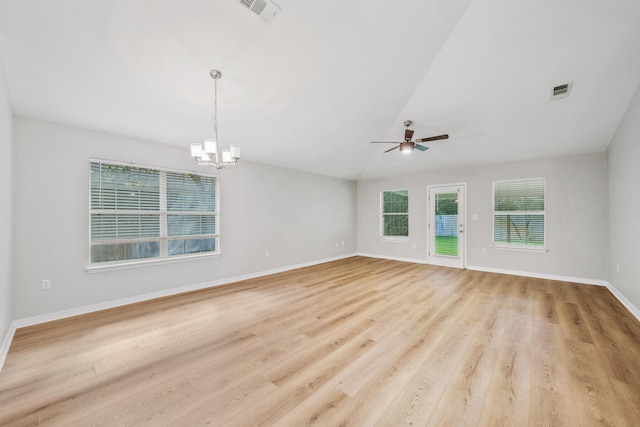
(382, 215)
(512, 246)
(163, 213)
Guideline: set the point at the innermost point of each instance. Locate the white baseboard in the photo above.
(6, 343)
(623, 300)
(35, 320)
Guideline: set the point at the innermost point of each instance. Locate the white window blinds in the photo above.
(192, 207)
(140, 213)
(519, 213)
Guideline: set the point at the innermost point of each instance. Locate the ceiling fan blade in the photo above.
(433, 138)
(384, 142)
(391, 149)
(421, 147)
(408, 134)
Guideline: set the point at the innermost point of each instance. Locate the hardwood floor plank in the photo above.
(317, 409)
(549, 369)
(414, 403)
(222, 385)
(423, 329)
(463, 400)
(549, 408)
(571, 317)
(508, 398)
(297, 388)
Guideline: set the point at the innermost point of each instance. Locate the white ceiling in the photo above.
(311, 89)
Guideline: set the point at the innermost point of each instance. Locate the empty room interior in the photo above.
(248, 212)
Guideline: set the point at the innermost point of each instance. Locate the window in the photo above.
(519, 214)
(139, 213)
(394, 213)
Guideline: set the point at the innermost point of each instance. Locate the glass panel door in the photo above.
(446, 225)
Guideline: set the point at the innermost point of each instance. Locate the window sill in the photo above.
(520, 249)
(144, 263)
(394, 239)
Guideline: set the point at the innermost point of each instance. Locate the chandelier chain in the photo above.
(215, 107)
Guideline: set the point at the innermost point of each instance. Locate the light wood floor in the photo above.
(357, 342)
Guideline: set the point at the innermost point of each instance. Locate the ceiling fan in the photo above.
(407, 145)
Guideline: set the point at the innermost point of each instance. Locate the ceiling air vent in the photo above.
(561, 91)
(265, 9)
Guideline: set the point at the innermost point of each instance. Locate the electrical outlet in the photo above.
(484, 251)
(46, 284)
(267, 254)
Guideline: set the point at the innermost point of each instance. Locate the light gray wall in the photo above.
(576, 215)
(298, 217)
(624, 206)
(6, 124)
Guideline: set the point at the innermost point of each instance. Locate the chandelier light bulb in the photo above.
(210, 146)
(226, 156)
(196, 150)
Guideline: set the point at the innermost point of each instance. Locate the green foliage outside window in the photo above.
(395, 213)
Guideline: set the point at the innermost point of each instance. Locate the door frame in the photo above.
(462, 218)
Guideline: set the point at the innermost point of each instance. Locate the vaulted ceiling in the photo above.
(310, 89)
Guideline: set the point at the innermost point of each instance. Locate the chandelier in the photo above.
(206, 154)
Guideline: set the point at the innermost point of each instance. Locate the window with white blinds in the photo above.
(394, 212)
(519, 214)
(140, 213)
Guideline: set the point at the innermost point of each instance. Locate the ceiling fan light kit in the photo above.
(206, 154)
(407, 146)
